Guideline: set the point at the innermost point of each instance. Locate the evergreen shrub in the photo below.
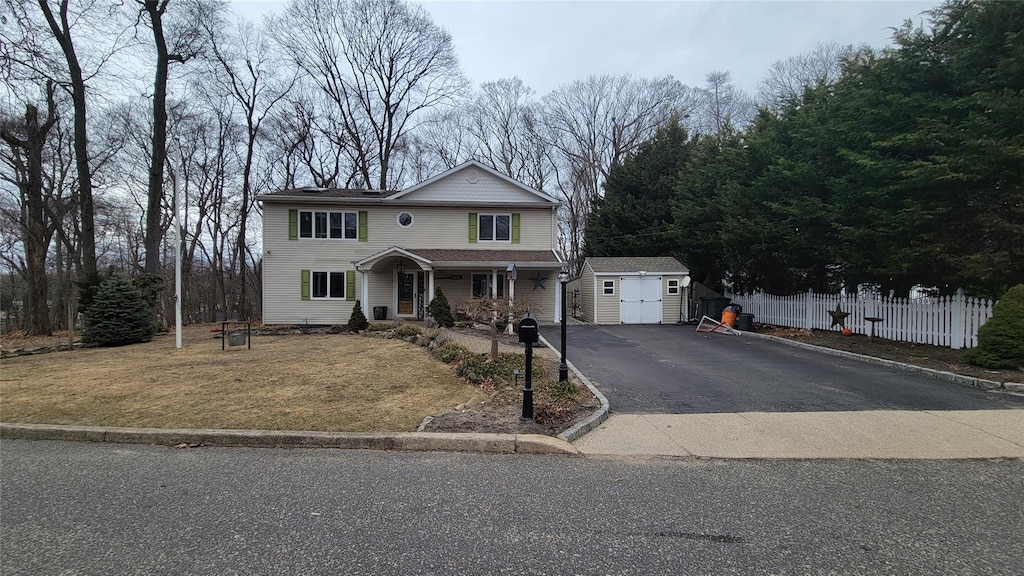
(357, 321)
(440, 310)
(119, 314)
(1001, 339)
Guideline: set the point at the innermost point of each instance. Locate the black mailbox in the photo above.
(528, 332)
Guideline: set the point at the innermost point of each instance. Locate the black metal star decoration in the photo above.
(838, 316)
(538, 281)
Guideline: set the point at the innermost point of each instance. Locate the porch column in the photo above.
(558, 294)
(494, 284)
(366, 291)
(511, 303)
(430, 286)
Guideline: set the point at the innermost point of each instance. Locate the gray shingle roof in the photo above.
(637, 263)
(331, 193)
(443, 255)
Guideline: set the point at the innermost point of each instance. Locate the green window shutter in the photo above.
(472, 227)
(305, 284)
(350, 284)
(515, 228)
(293, 224)
(362, 226)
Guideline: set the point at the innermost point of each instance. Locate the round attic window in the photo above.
(472, 176)
(404, 219)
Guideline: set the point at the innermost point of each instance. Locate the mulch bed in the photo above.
(924, 355)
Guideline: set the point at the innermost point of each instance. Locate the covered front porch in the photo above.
(398, 283)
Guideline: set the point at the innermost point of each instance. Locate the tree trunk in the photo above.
(154, 202)
(35, 230)
(88, 276)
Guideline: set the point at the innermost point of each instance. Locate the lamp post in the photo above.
(563, 368)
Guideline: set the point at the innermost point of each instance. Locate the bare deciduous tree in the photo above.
(245, 70)
(381, 62)
(589, 125)
(503, 119)
(27, 141)
(723, 106)
(786, 80)
(183, 44)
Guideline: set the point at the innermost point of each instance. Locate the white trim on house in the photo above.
(369, 262)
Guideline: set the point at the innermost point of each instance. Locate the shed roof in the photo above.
(623, 264)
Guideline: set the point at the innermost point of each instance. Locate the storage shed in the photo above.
(630, 290)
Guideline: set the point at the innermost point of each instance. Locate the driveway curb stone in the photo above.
(406, 441)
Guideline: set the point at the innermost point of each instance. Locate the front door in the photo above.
(406, 293)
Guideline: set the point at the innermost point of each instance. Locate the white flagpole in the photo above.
(177, 262)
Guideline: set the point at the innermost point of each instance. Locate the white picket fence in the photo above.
(951, 321)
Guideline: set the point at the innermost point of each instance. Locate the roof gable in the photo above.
(473, 182)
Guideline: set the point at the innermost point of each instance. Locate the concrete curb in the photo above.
(406, 441)
(952, 377)
(594, 420)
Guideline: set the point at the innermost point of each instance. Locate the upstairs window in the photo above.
(495, 227)
(337, 225)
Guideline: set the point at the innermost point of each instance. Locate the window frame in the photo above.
(309, 225)
(500, 289)
(398, 219)
(493, 228)
(330, 276)
(608, 288)
(672, 286)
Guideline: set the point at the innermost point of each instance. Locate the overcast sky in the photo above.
(549, 43)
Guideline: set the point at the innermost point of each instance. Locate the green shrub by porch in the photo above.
(440, 310)
(119, 314)
(1001, 339)
(357, 321)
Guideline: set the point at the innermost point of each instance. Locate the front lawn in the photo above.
(329, 382)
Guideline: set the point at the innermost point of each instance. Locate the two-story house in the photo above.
(470, 230)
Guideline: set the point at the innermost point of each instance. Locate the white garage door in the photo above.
(640, 300)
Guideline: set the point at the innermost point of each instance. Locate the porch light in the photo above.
(401, 266)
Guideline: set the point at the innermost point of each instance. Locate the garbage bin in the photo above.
(380, 312)
(729, 314)
(711, 306)
(745, 322)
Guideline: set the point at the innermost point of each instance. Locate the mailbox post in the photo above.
(528, 335)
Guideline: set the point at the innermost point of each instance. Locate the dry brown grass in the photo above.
(303, 382)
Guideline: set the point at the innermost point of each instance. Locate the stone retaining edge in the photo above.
(404, 441)
(590, 422)
(958, 378)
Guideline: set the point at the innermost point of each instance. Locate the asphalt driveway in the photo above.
(675, 370)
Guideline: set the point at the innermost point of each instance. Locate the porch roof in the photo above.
(435, 258)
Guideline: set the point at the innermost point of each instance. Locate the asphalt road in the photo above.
(107, 509)
(675, 370)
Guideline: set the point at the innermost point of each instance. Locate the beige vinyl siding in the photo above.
(283, 259)
(670, 303)
(470, 185)
(433, 227)
(448, 228)
(607, 306)
(380, 292)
